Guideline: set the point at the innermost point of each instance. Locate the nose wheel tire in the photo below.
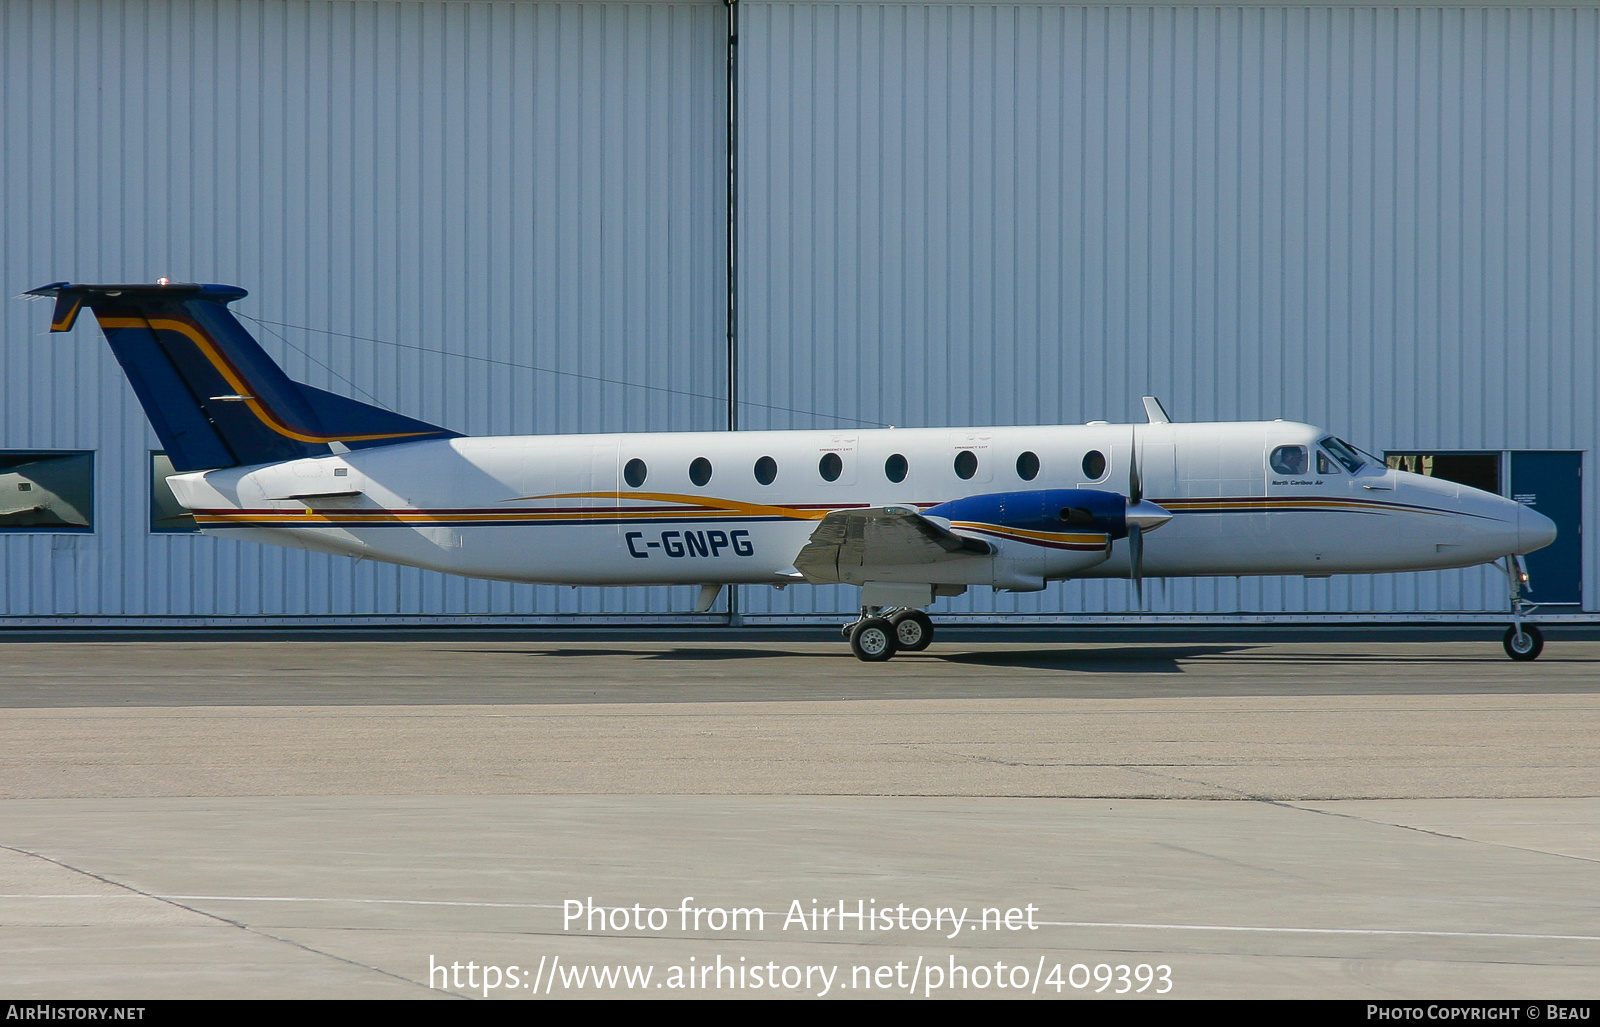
(1523, 645)
(872, 640)
(913, 631)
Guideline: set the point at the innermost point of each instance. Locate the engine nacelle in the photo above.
(1039, 535)
(1042, 510)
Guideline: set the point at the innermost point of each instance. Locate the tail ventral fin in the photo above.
(211, 392)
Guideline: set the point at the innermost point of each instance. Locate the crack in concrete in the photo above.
(1294, 805)
(248, 929)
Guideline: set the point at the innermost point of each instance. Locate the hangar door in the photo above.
(1552, 484)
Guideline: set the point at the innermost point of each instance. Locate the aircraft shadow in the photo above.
(1130, 660)
(689, 654)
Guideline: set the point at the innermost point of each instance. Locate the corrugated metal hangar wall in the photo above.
(1384, 219)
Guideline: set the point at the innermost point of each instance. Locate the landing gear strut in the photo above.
(880, 633)
(1522, 642)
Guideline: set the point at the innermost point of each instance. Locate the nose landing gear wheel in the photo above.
(872, 640)
(913, 631)
(1523, 645)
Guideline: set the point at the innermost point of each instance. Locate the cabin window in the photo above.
(166, 513)
(895, 468)
(966, 464)
(635, 473)
(49, 491)
(1028, 466)
(766, 470)
(700, 471)
(1290, 460)
(1094, 465)
(830, 467)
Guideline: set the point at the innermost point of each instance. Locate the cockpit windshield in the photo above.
(1344, 453)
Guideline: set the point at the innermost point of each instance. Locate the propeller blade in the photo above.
(1135, 483)
(1136, 560)
(1141, 516)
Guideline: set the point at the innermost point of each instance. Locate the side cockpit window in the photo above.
(1290, 460)
(1344, 453)
(1326, 464)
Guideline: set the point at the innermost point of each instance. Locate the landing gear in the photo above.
(872, 639)
(913, 631)
(880, 633)
(1525, 643)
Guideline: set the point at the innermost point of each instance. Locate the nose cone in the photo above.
(1534, 529)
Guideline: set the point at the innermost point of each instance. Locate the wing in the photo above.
(890, 536)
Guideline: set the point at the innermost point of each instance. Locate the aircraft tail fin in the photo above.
(213, 395)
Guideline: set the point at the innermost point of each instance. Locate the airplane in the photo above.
(908, 514)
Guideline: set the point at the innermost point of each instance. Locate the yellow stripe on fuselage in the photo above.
(715, 505)
(1281, 504)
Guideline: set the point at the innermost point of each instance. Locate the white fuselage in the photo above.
(561, 509)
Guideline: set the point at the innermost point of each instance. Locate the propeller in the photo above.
(1135, 529)
(1141, 517)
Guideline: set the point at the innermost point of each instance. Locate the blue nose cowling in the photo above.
(1534, 529)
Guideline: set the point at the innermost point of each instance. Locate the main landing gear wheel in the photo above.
(913, 631)
(1523, 645)
(872, 640)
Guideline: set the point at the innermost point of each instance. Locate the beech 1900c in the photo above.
(907, 514)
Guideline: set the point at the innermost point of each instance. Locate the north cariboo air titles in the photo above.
(811, 916)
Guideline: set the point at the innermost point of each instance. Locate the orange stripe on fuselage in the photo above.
(1282, 504)
(720, 505)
